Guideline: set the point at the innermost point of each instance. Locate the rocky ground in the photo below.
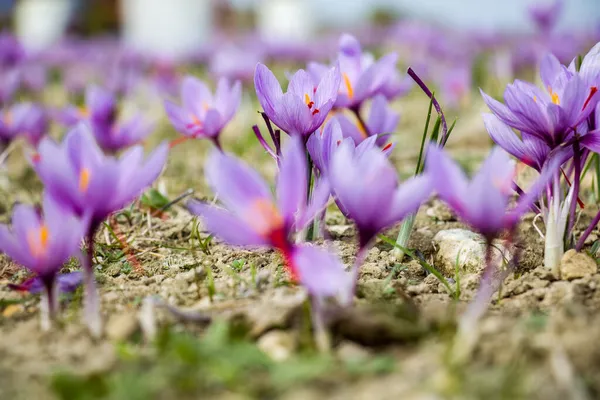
(186, 317)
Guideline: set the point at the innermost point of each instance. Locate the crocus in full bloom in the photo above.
(91, 185)
(304, 107)
(362, 76)
(253, 217)
(551, 115)
(42, 244)
(100, 107)
(202, 114)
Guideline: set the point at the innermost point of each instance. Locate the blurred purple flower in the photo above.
(304, 107)
(25, 119)
(67, 283)
(9, 84)
(545, 15)
(551, 116)
(366, 187)
(91, 185)
(321, 273)
(43, 245)
(204, 114)
(100, 109)
(362, 76)
(483, 202)
(253, 217)
(81, 178)
(382, 121)
(324, 143)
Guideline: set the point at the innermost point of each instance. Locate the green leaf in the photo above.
(154, 199)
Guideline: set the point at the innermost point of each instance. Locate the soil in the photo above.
(540, 338)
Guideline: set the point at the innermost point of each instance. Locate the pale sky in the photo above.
(480, 14)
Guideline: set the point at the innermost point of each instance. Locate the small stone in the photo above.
(121, 327)
(352, 352)
(158, 278)
(576, 265)
(188, 276)
(339, 230)
(13, 309)
(465, 248)
(279, 345)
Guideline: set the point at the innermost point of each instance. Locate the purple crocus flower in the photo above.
(324, 143)
(381, 122)
(202, 113)
(483, 201)
(362, 76)
(121, 135)
(545, 15)
(550, 115)
(100, 108)
(66, 283)
(43, 244)
(528, 149)
(321, 272)
(25, 119)
(91, 185)
(304, 107)
(253, 217)
(366, 188)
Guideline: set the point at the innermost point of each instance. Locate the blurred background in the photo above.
(455, 45)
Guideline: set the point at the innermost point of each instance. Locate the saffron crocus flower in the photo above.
(43, 244)
(121, 135)
(204, 115)
(483, 201)
(550, 115)
(304, 107)
(367, 189)
(91, 185)
(362, 76)
(382, 121)
(100, 108)
(66, 283)
(545, 15)
(528, 149)
(24, 119)
(324, 143)
(253, 216)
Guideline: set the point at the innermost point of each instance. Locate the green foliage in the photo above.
(154, 199)
(184, 366)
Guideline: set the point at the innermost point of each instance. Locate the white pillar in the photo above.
(281, 21)
(40, 23)
(166, 28)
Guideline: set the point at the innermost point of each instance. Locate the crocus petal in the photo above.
(10, 247)
(328, 88)
(301, 84)
(448, 179)
(226, 226)
(179, 117)
(235, 183)
(195, 95)
(409, 197)
(213, 123)
(268, 90)
(292, 181)
(321, 272)
(318, 202)
(504, 137)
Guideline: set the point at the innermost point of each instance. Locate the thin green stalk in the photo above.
(404, 236)
(313, 227)
(424, 136)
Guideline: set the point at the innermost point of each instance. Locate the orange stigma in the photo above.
(593, 91)
(264, 217)
(310, 104)
(37, 240)
(84, 179)
(348, 84)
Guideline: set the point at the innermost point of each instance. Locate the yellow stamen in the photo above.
(348, 84)
(555, 98)
(84, 179)
(535, 99)
(306, 99)
(362, 129)
(84, 112)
